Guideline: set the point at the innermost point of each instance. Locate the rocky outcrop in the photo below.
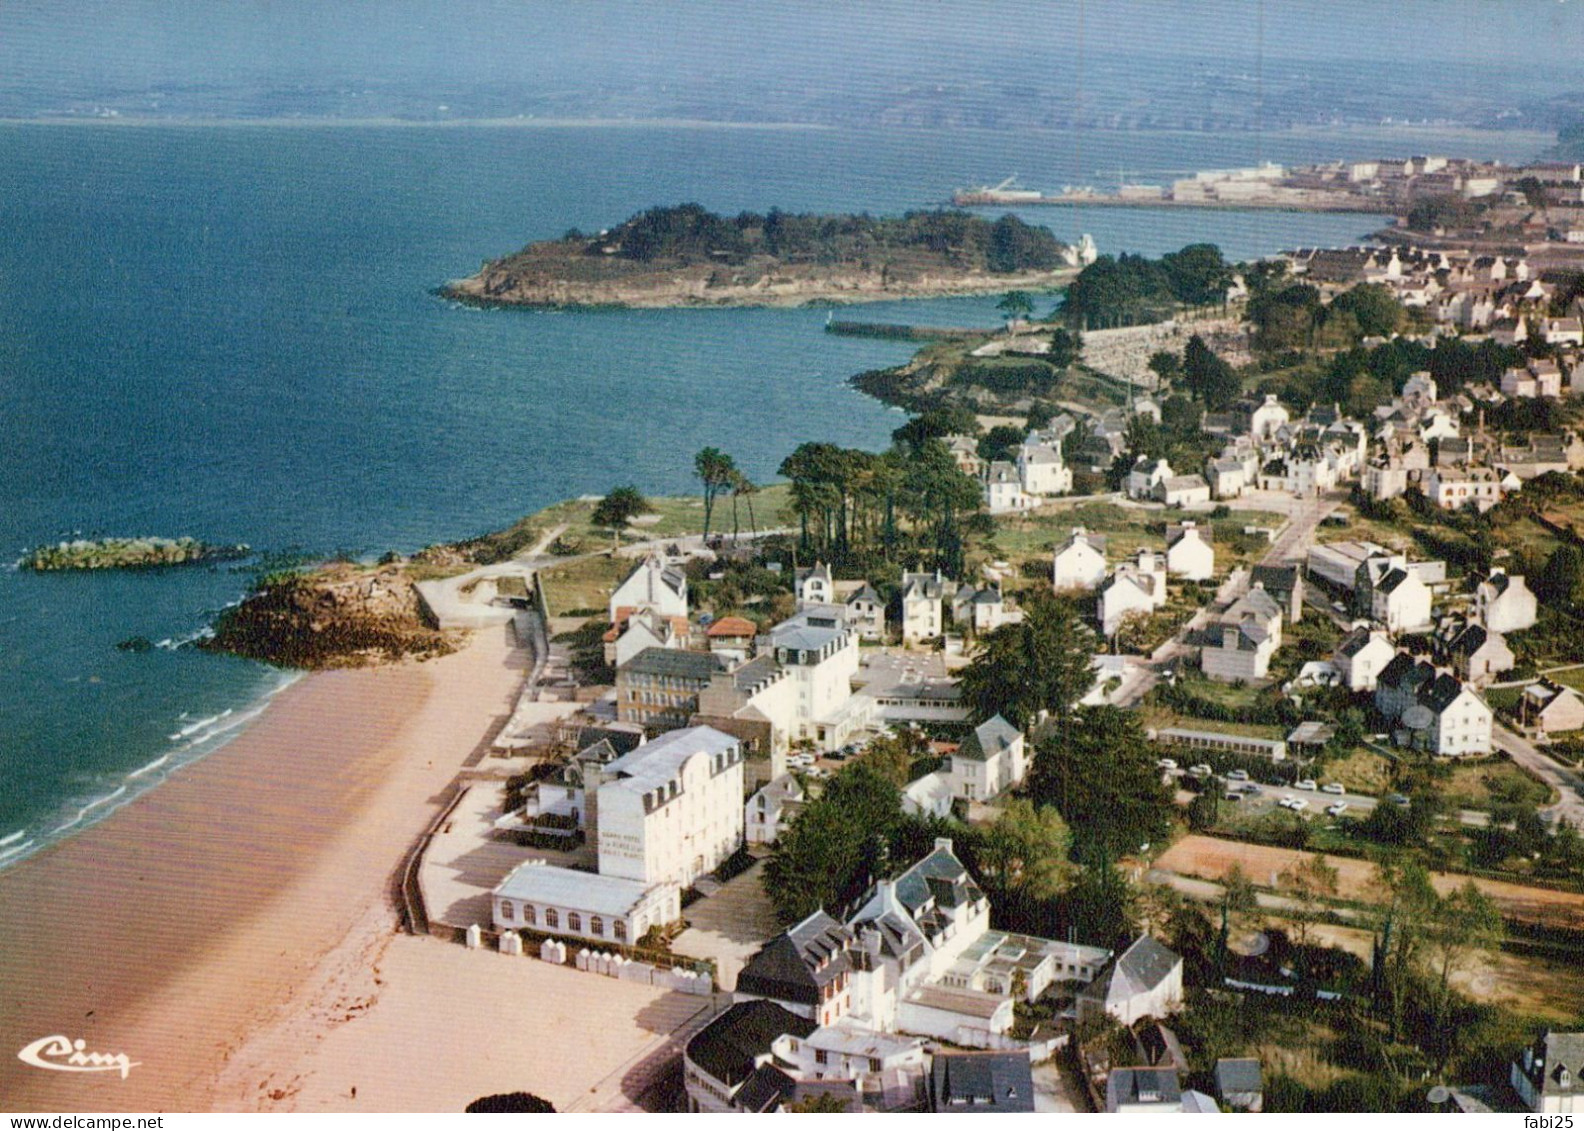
(128, 553)
(767, 283)
(335, 617)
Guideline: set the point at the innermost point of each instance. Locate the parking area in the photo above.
(466, 859)
(729, 926)
(1307, 795)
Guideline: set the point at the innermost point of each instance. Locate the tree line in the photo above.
(690, 233)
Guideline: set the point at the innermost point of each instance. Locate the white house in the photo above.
(671, 810)
(1549, 1076)
(1455, 488)
(814, 586)
(652, 587)
(1241, 644)
(923, 617)
(1361, 657)
(1135, 587)
(1146, 476)
(866, 613)
(820, 653)
(1463, 721)
(1269, 418)
(929, 796)
(1079, 562)
(1042, 470)
(918, 956)
(1182, 490)
(772, 808)
(983, 609)
(989, 761)
(1400, 600)
(1145, 980)
(1003, 489)
(1189, 553)
(1504, 603)
(1433, 710)
(643, 630)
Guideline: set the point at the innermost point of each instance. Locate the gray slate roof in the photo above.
(1238, 1074)
(1142, 1085)
(675, 663)
(787, 968)
(981, 1082)
(990, 738)
(728, 1046)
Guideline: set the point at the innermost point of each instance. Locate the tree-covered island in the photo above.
(689, 256)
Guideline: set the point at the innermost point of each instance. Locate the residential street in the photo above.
(1568, 783)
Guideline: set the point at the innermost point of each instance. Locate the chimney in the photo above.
(943, 842)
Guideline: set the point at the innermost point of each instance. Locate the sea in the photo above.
(229, 331)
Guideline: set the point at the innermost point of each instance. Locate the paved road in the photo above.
(1566, 782)
(1291, 544)
(1292, 541)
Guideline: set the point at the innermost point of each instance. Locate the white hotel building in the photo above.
(672, 809)
(661, 816)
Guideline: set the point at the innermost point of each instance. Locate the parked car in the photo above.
(1337, 808)
(1305, 783)
(1333, 787)
(1399, 800)
(1201, 770)
(1167, 764)
(1235, 798)
(1238, 775)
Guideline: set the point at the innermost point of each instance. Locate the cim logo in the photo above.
(61, 1054)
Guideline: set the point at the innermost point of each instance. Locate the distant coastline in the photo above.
(417, 123)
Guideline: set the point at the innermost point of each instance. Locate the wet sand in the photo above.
(197, 915)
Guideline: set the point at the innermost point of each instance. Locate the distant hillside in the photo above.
(687, 255)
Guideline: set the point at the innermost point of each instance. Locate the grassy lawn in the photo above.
(583, 584)
(1362, 770)
(1572, 677)
(1491, 783)
(1155, 716)
(1361, 529)
(668, 517)
(1127, 530)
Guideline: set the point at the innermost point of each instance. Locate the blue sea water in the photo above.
(228, 332)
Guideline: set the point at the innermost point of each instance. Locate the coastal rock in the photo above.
(686, 256)
(128, 553)
(337, 616)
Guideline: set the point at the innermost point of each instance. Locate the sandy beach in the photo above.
(200, 914)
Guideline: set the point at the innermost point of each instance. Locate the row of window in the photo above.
(574, 920)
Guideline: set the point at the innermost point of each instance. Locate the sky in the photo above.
(59, 44)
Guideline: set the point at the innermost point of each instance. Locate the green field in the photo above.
(667, 517)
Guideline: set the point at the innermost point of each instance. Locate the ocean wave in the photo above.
(148, 769)
(170, 644)
(16, 850)
(193, 728)
(196, 739)
(98, 802)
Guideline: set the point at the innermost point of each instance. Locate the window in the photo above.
(552, 918)
(619, 929)
(596, 925)
(528, 914)
(874, 1064)
(574, 921)
(506, 910)
(819, 1056)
